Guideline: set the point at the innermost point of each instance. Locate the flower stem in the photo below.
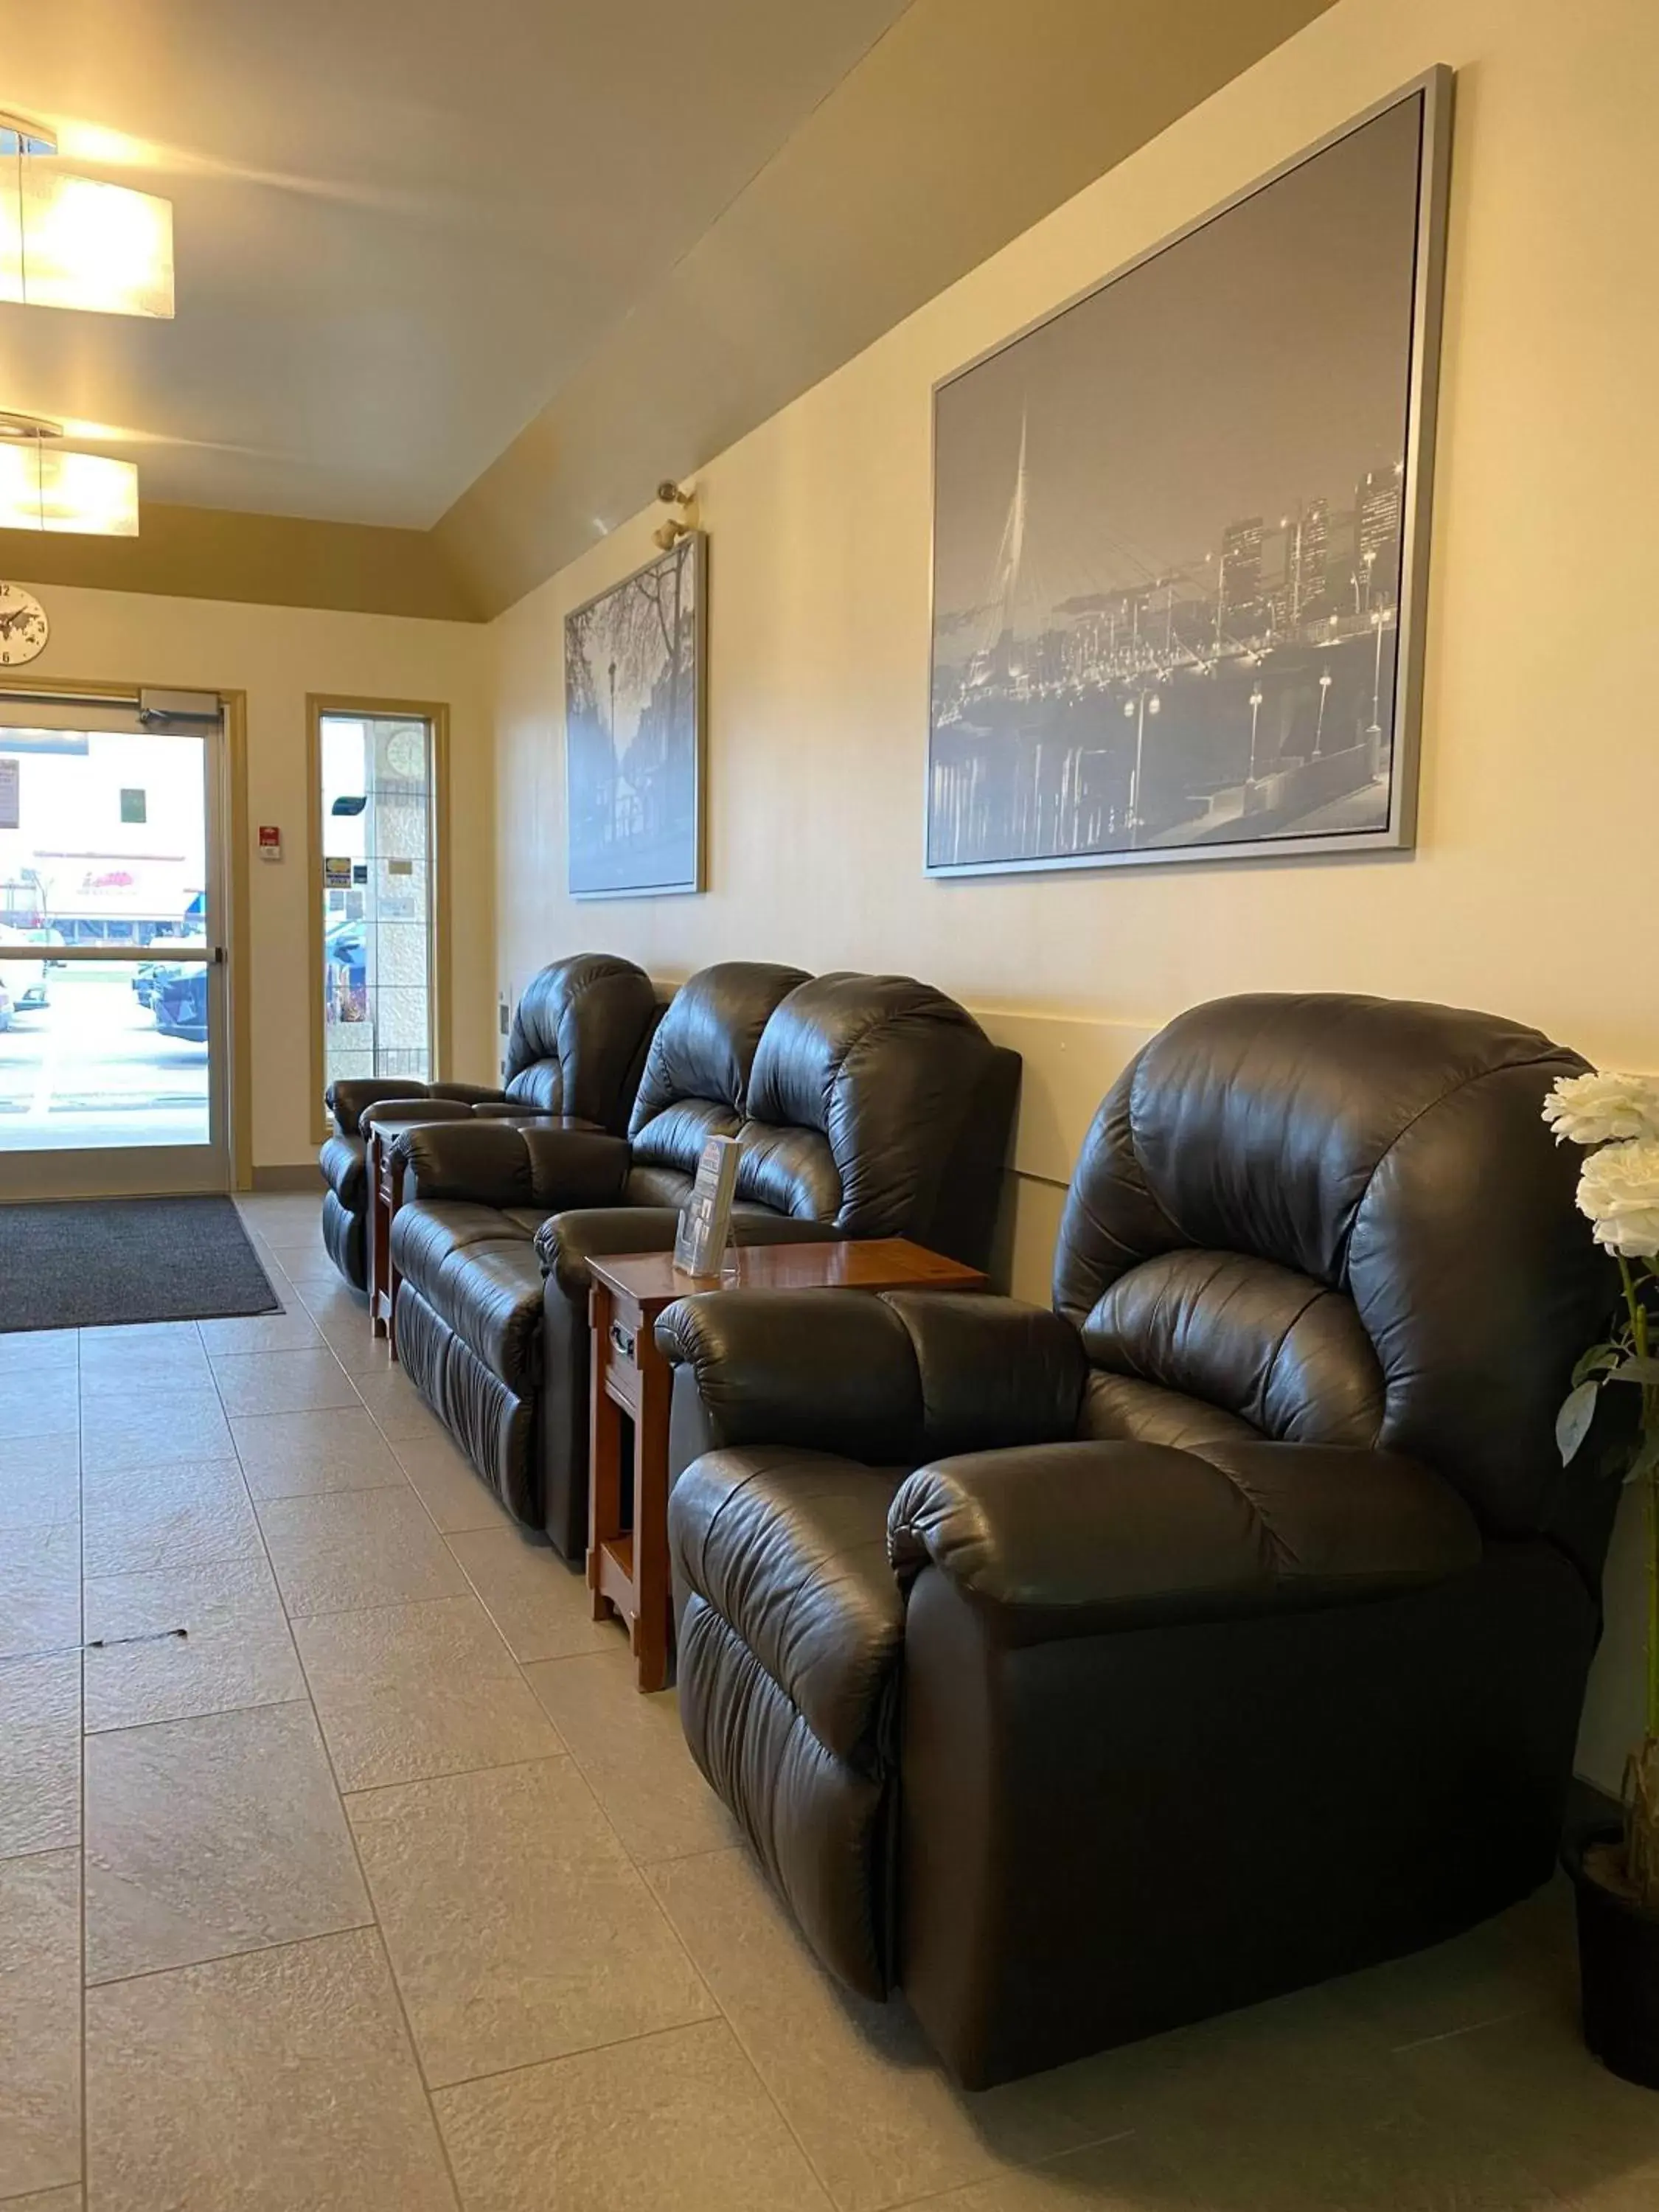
(1638, 1321)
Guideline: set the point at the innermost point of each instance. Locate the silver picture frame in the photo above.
(986, 716)
(634, 827)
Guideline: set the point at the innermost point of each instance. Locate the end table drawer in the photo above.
(622, 1372)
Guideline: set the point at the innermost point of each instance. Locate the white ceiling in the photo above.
(399, 225)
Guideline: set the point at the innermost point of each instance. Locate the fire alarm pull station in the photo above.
(271, 842)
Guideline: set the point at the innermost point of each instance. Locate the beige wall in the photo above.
(277, 655)
(1540, 772)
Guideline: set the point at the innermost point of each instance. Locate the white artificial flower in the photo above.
(1619, 1189)
(1602, 1108)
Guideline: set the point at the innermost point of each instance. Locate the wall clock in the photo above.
(24, 628)
(405, 753)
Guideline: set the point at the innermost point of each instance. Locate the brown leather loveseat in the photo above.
(869, 1106)
(578, 1044)
(1086, 1672)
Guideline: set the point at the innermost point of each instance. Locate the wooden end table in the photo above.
(628, 1567)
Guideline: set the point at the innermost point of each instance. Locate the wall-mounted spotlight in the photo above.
(668, 534)
(68, 241)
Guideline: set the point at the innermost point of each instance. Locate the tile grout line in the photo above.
(233, 1958)
(517, 1667)
(637, 1868)
(460, 1774)
(229, 1957)
(384, 1947)
(634, 1865)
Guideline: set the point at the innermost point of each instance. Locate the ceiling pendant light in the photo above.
(43, 488)
(68, 241)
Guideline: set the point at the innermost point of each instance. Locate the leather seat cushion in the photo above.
(491, 1297)
(790, 1549)
(478, 1270)
(426, 1237)
(344, 1162)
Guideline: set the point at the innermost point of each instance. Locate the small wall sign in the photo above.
(271, 842)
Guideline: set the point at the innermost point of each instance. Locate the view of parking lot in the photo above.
(93, 1067)
(102, 844)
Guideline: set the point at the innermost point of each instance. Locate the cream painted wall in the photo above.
(277, 655)
(1540, 772)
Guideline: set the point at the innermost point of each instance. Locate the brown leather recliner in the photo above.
(1084, 1673)
(578, 1045)
(869, 1106)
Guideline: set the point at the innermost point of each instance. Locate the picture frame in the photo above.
(1181, 532)
(635, 729)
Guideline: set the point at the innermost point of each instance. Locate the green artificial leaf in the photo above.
(1572, 1423)
(1645, 1460)
(1598, 1360)
(1636, 1370)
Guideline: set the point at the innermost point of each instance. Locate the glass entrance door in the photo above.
(378, 780)
(113, 995)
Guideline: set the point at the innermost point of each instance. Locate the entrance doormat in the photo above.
(91, 1263)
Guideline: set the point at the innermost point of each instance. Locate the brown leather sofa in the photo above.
(578, 1045)
(1088, 1672)
(869, 1105)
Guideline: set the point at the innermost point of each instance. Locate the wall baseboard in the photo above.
(300, 1175)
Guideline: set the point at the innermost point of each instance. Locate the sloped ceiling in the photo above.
(457, 286)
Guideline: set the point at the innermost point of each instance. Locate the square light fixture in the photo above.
(68, 241)
(43, 488)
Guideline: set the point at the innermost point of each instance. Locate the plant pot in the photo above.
(1618, 1966)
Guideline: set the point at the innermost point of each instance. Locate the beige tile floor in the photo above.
(383, 1891)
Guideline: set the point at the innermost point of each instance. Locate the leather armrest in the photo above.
(521, 1161)
(572, 1164)
(1076, 1539)
(934, 1372)
(477, 1158)
(469, 1094)
(384, 1111)
(994, 1371)
(349, 1098)
(510, 1110)
(820, 1370)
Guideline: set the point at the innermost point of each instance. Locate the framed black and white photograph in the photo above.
(1179, 533)
(634, 662)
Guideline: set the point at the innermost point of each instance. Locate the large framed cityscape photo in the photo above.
(634, 715)
(1179, 533)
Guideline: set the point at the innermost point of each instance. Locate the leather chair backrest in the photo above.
(1343, 1219)
(579, 1038)
(861, 1086)
(695, 1083)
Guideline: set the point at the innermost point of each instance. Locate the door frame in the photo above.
(232, 811)
(436, 713)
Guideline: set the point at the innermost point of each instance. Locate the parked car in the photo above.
(145, 975)
(25, 979)
(178, 1002)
